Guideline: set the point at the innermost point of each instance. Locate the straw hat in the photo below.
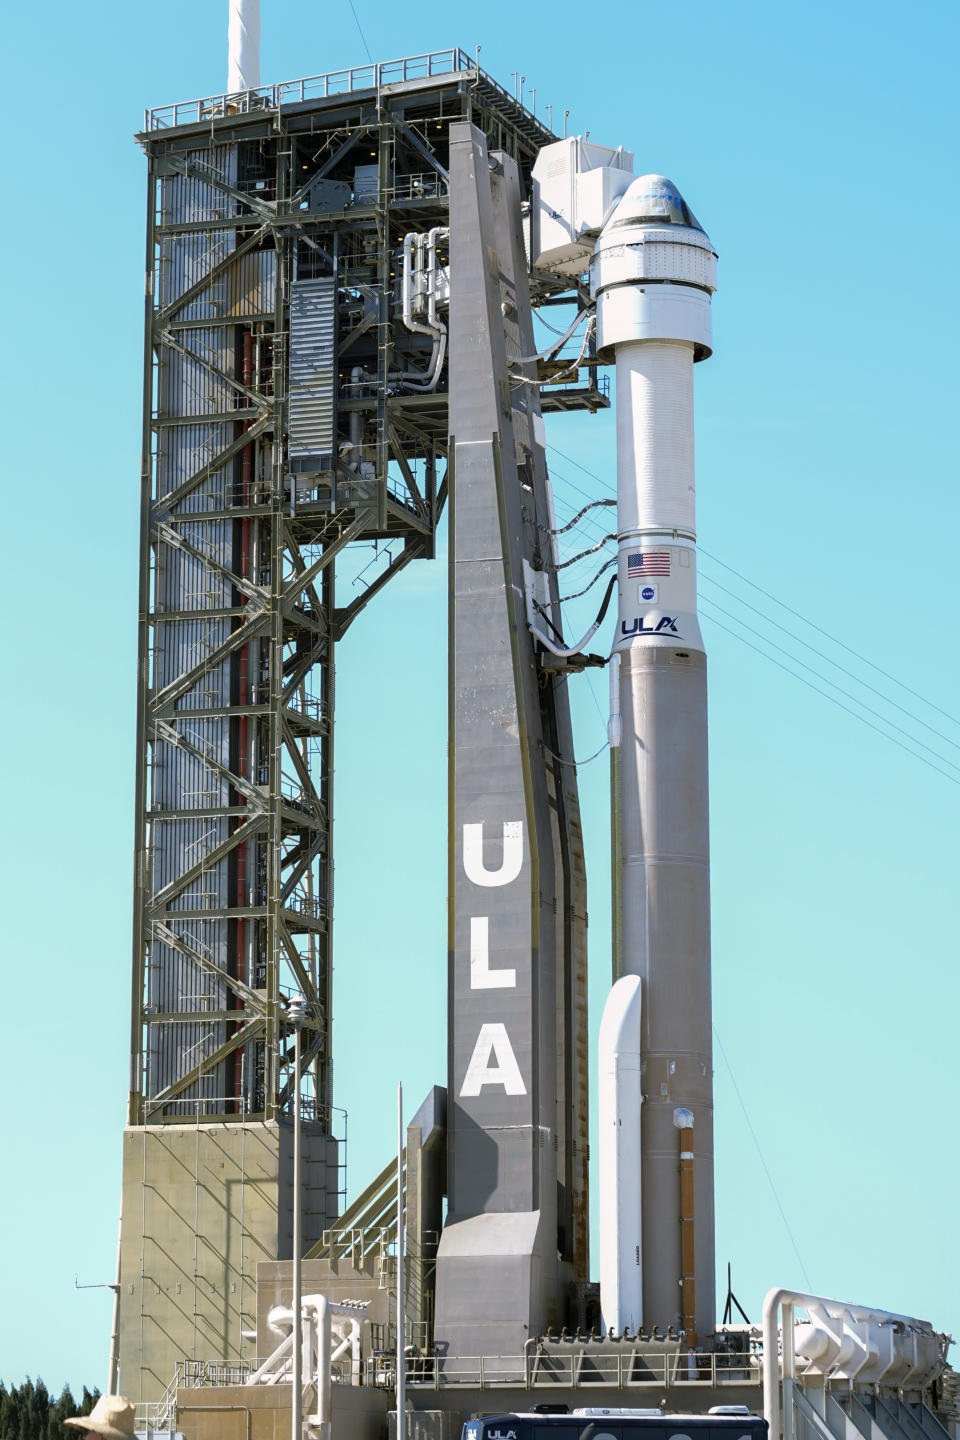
(112, 1416)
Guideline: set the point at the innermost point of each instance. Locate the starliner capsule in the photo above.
(652, 275)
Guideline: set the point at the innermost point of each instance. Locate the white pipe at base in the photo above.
(243, 46)
(619, 1102)
(846, 1317)
(296, 1389)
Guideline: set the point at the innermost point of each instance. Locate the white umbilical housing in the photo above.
(243, 44)
(652, 274)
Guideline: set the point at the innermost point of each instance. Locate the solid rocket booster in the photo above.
(619, 1098)
(652, 274)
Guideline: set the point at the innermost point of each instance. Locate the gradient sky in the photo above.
(817, 145)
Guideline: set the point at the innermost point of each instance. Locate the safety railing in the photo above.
(307, 705)
(194, 1374)
(296, 794)
(580, 1369)
(312, 87)
(312, 907)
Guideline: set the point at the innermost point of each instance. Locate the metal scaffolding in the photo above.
(290, 416)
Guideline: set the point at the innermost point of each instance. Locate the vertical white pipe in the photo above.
(401, 1345)
(113, 1381)
(324, 1383)
(296, 1397)
(243, 43)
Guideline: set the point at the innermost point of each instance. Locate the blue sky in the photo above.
(817, 146)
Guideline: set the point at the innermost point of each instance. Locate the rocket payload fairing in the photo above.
(652, 274)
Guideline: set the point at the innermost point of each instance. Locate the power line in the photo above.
(797, 614)
(849, 649)
(946, 775)
(602, 571)
(833, 685)
(835, 663)
(360, 28)
(766, 1170)
(813, 671)
(565, 456)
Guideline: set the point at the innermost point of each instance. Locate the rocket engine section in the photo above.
(652, 274)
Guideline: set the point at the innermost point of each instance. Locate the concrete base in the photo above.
(491, 1287)
(262, 1412)
(202, 1205)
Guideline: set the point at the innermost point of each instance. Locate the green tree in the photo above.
(27, 1411)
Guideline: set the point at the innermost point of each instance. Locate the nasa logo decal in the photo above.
(648, 592)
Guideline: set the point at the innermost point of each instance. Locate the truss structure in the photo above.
(262, 466)
(292, 415)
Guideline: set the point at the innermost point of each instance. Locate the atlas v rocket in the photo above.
(652, 275)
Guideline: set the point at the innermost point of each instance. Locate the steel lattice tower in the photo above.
(275, 437)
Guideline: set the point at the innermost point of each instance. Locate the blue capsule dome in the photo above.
(655, 200)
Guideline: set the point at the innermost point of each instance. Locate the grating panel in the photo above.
(313, 315)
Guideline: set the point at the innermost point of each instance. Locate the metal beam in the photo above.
(332, 161)
(197, 172)
(250, 998)
(344, 618)
(162, 898)
(255, 593)
(165, 503)
(246, 1033)
(405, 470)
(162, 730)
(165, 698)
(422, 148)
(258, 401)
(221, 268)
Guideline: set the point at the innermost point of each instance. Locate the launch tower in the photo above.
(295, 405)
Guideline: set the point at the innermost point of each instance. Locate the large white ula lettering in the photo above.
(511, 862)
(481, 976)
(493, 1043)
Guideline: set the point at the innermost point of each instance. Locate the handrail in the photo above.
(453, 61)
(580, 1369)
(294, 92)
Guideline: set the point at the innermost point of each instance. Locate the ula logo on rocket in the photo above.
(666, 625)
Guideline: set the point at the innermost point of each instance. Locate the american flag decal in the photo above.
(648, 562)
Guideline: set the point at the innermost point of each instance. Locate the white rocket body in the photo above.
(652, 275)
